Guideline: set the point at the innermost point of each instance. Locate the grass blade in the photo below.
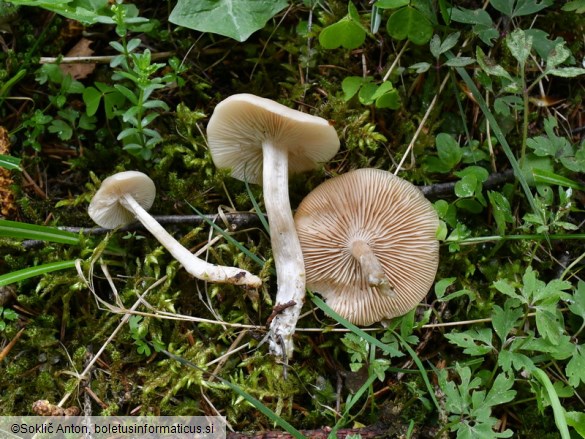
(558, 410)
(257, 209)
(18, 230)
(9, 162)
(547, 177)
(353, 328)
(498, 133)
(26, 273)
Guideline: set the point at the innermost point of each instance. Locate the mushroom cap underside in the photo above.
(396, 221)
(105, 208)
(241, 123)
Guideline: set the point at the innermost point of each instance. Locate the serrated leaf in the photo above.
(577, 419)
(577, 302)
(237, 19)
(510, 361)
(501, 391)
(504, 319)
(468, 341)
(575, 369)
(505, 288)
(409, 23)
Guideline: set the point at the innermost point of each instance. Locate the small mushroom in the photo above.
(262, 141)
(369, 244)
(123, 197)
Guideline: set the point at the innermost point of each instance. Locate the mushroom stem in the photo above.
(371, 267)
(286, 249)
(193, 265)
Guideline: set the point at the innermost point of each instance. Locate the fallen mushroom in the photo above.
(369, 244)
(123, 197)
(262, 141)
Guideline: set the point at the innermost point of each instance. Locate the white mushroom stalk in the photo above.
(262, 141)
(115, 204)
(286, 249)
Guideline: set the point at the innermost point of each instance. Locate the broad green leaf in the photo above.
(577, 6)
(504, 320)
(350, 86)
(466, 187)
(577, 419)
(92, 97)
(504, 287)
(567, 72)
(442, 285)
(520, 46)
(409, 23)
(557, 56)
(549, 322)
(518, 8)
(345, 33)
(391, 4)
(473, 341)
(489, 66)
(389, 100)
(510, 361)
(501, 211)
(9, 162)
(576, 367)
(468, 16)
(237, 19)
(501, 391)
(577, 303)
(448, 150)
(84, 11)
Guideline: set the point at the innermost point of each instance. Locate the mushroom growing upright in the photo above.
(123, 197)
(262, 141)
(369, 244)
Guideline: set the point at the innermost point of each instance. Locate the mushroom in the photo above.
(124, 197)
(369, 244)
(262, 141)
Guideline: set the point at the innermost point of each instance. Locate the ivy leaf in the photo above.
(409, 23)
(237, 19)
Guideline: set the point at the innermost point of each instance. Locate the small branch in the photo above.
(104, 59)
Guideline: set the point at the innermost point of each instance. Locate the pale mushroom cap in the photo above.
(242, 122)
(105, 208)
(393, 217)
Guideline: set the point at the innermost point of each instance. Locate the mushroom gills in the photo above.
(371, 267)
